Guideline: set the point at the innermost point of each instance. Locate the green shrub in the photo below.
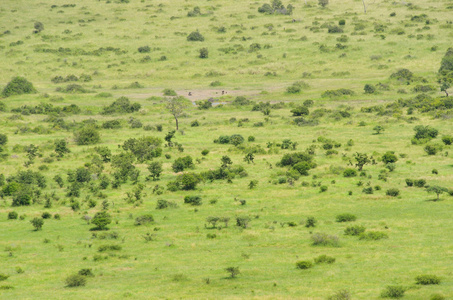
(354, 230)
(300, 111)
(110, 247)
(323, 239)
(420, 182)
(76, 280)
(12, 215)
(18, 86)
(87, 136)
(373, 235)
(3, 277)
(350, 172)
(324, 259)
(409, 182)
(437, 297)
(432, 149)
(193, 200)
(346, 217)
(393, 192)
(427, 279)
(86, 272)
(195, 36)
(122, 105)
(204, 53)
(447, 139)
(145, 219)
(37, 223)
(340, 295)
(101, 220)
(162, 204)
(394, 291)
(304, 264)
(144, 49)
(46, 215)
(310, 222)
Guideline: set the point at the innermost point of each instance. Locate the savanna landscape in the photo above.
(294, 149)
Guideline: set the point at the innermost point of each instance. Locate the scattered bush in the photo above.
(393, 192)
(373, 235)
(427, 279)
(143, 220)
(121, 105)
(76, 280)
(346, 217)
(355, 230)
(349, 172)
(193, 200)
(323, 239)
(87, 136)
(37, 223)
(324, 259)
(12, 215)
(394, 291)
(101, 220)
(304, 264)
(195, 36)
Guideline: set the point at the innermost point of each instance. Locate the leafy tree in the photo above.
(425, 132)
(361, 160)
(155, 169)
(37, 223)
(378, 129)
(18, 86)
(233, 271)
(438, 190)
(23, 197)
(182, 163)
(169, 136)
(249, 157)
(123, 165)
(369, 89)
(104, 152)
(101, 220)
(61, 147)
(225, 161)
(144, 148)
(177, 106)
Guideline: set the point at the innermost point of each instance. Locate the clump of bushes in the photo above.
(193, 200)
(393, 192)
(393, 291)
(355, 230)
(87, 136)
(235, 139)
(76, 280)
(324, 259)
(276, 8)
(195, 36)
(297, 87)
(18, 86)
(121, 106)
(337, 93)
(350, 172)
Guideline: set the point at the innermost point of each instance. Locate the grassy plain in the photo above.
(181, 262)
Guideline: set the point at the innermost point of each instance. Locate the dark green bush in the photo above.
(300, 111)
(310, 222)
(101, 220)
(193, 200)
(420, 182)
(394, 291)
(346, 217)
(18, 86)
(145, 219)
(76, 280)
(12, 215)
(393, 192)
(144, 49)
(87, 136)
(112, 124)
(162, 204)
(349, 172)
(182, 163)
(304, 264)
(354, 230)
(427, 279)
(195, 36)
(121, 105)
(204, 53)
(409, 182)
(447, 139)
(46, 215)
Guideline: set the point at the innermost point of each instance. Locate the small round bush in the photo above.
(12, 215)
(324, 259)
(76, 280)
(251, 138)
(346, 217)
(323, 188)
(427, 279)
(393, 192)
(304, 264)
(18, 86)
(205, 152)
(46, 215)
(349, 172)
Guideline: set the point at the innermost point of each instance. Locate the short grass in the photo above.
(180, 261)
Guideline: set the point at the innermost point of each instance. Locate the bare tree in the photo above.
(176, 106)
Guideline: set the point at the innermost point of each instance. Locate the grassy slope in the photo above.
(419, 230)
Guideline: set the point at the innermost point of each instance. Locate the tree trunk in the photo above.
(176, 119)
(364, 6)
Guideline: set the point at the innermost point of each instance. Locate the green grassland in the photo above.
(257, 56)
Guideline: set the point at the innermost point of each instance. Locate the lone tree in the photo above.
(155, 168)
(361, 159)
(378, 129)
(234, 271)
(37, 223)
(435, 189)
(176, 106)
(101, 220)
(61, 147)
